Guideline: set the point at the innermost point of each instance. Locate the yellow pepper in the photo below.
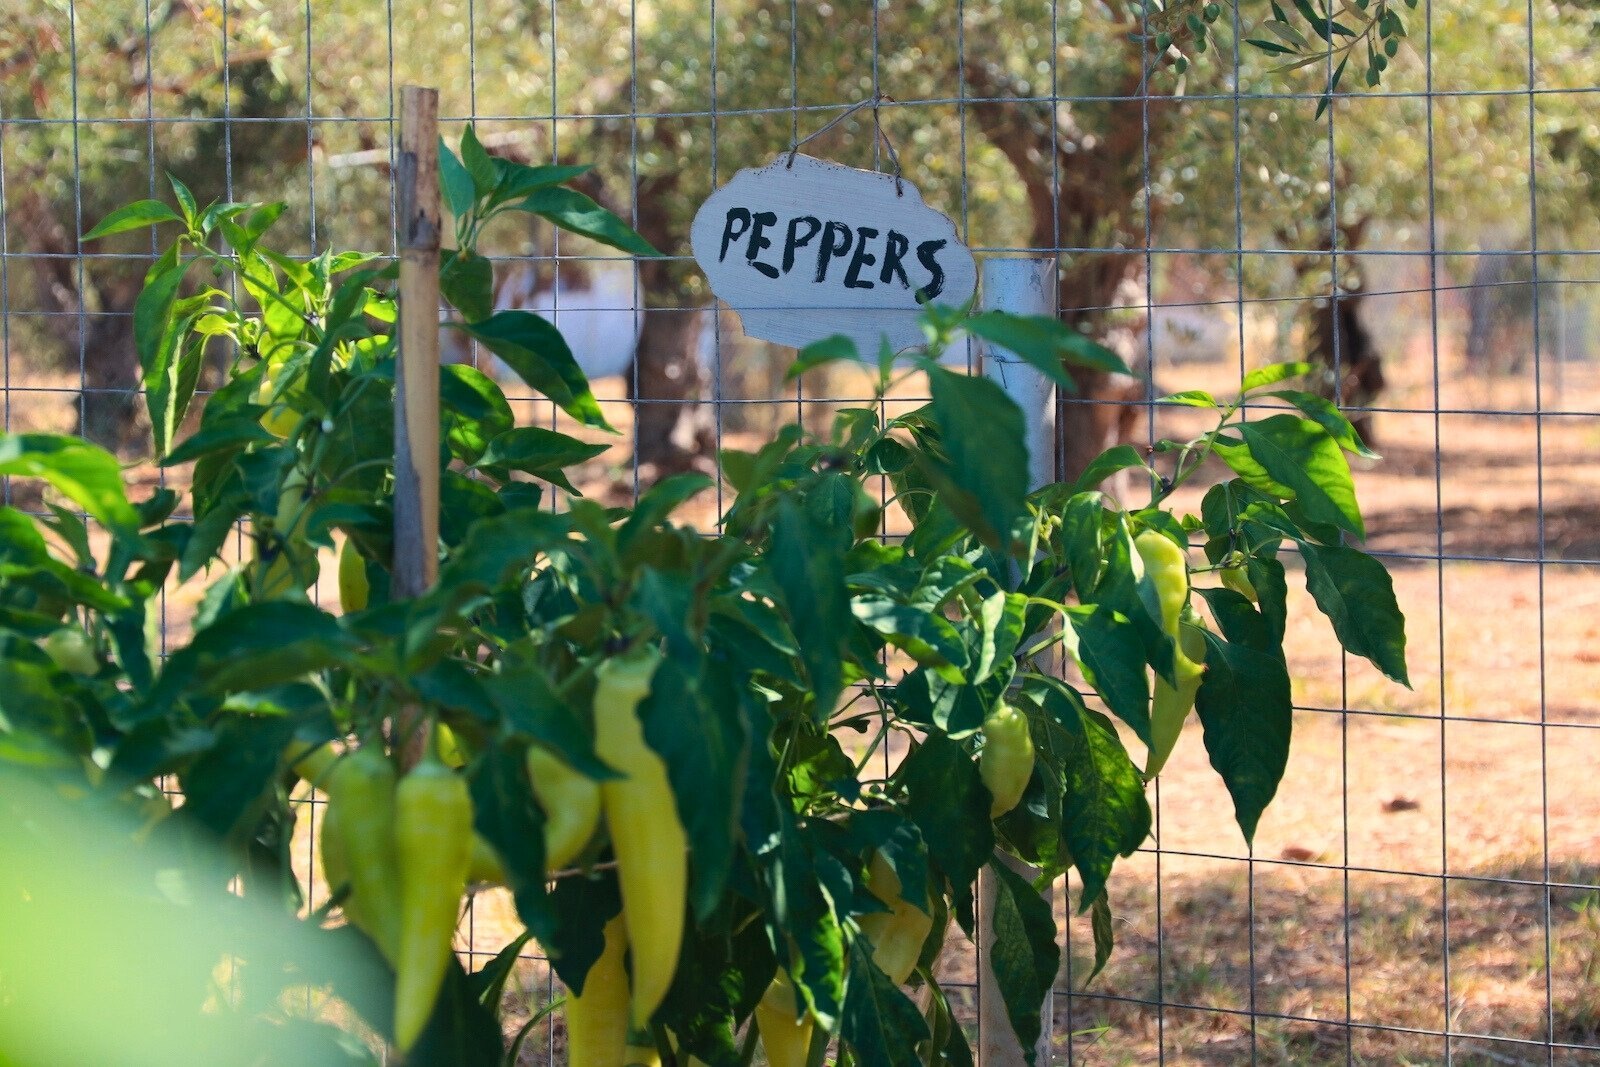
(597, 1021)
(311, 763)
(1167, 566)
(485, 868)
(1171, 705)
(433, 843)
(281, 420)
(354, 589)
(642, 817)
(1006, 762)
(358, 835)
(897, 934)
(784, 1023)
(571, 804)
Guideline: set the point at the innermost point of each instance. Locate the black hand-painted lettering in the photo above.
(926, 256)
(893, 259)
(862, 258)
(835, 243)
(762, 220)
(729, 233)
(793, 242)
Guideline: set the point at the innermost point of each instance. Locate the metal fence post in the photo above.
(1025, 286)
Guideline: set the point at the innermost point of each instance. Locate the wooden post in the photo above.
(416, 409)
(1023, 286)
(416, 391)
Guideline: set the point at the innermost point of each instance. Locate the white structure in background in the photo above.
(598, 307)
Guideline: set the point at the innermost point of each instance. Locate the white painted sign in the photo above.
(806, 249)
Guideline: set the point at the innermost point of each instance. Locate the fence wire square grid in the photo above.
(1424, 889)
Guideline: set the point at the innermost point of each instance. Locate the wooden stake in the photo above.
(416, 411)
(416, 390)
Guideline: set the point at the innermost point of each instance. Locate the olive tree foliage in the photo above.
(1472, 181)
(103, 99)
(1358, 170)
(70, 82)
(1032, 123)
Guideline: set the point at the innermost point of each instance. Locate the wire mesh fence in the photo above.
(1425, 888)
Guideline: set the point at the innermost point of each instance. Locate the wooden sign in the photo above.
(803, 248)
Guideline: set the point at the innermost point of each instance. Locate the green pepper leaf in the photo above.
(478, 162)
(225, 788)
(807, 561)
(137, 215)
(535, 450)
(692, 719)
(1272, 374)
(927, 638)
(1025, 956)
(881, 1024)
(459, 193)
(1325, 413)
(985, 464)
(1109, 462)
(1245, 706)
(1301, 455)
(1104, 935)
(539, 354)
(947, 800)
(1356, 593)
(85, 474)
(830, 349)
(576, 213)
(466, 279)
(253, 647)
(1104, 813)
(1110, 653)
(506, 815)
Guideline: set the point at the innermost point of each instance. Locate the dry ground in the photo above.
(1431, 862)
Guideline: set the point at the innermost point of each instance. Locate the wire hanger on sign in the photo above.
(877, 124)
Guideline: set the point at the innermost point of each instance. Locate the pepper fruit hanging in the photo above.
(571, 804)
(354, 589)
(1168, 569)
(897, 934)
(1006, 762)
(648, 838)
(280, 419)
(358, 836)
(311, 763)
(597, 1019)
(433, 839)
(485, 867)
(1236, 576)
(784, 1024)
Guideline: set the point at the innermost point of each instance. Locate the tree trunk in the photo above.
(111, 379)
(1095, 202)
(92, 321)
(1352, 374)
(675, 429)
(1336, 339)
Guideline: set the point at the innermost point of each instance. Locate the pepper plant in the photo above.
(739, 782)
